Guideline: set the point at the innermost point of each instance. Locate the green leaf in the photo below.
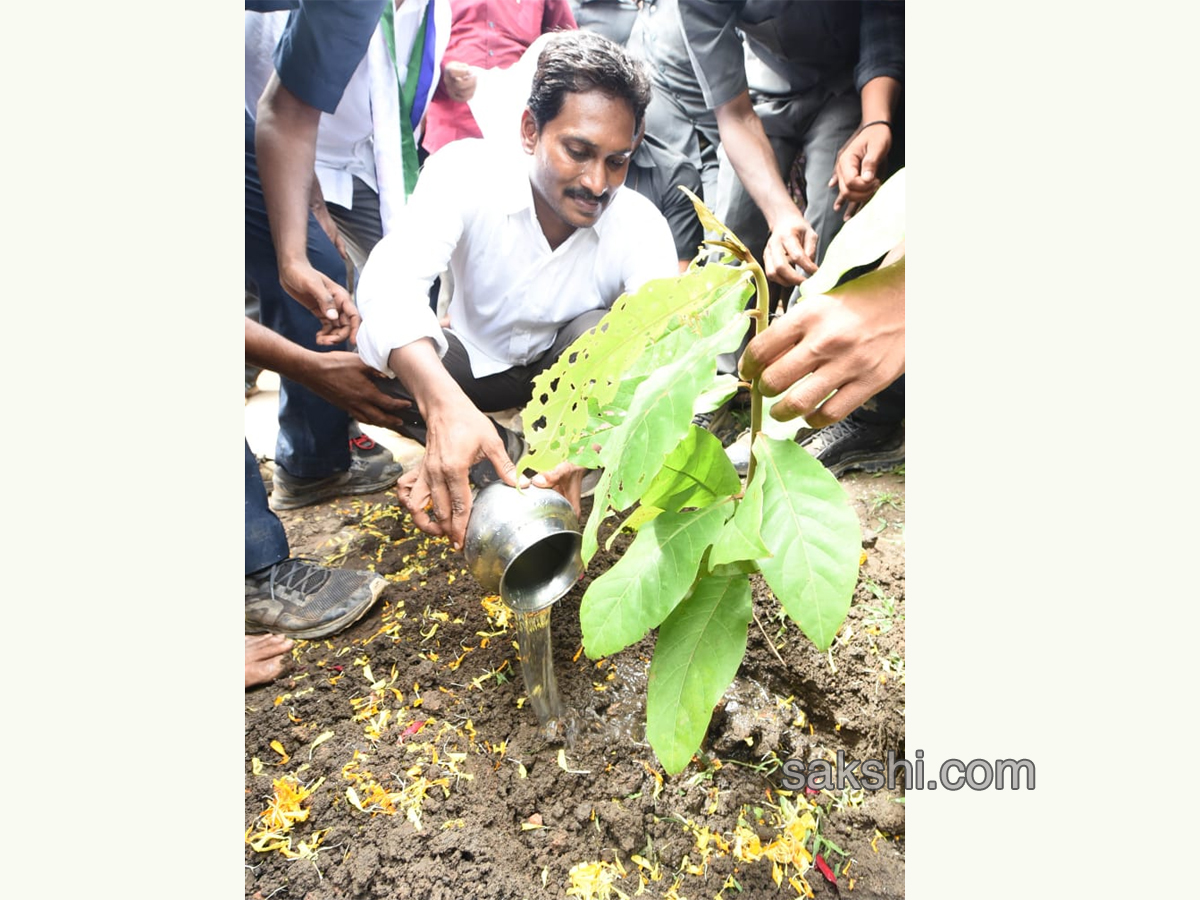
(642, 588)
(783, 429)
(713, 225)
(723, 387)
(697, 472)
(600, 512)
(741, 567)
(814, 536)
(871, 232)
(652, 321)
(699, 648)
(634, 522)
(741, 538)
(660, 416)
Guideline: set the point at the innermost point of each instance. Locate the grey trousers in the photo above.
(688, 129)
(813, 125)
(361, 226)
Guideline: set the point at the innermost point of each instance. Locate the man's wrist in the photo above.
(784, 212)
(292, 264)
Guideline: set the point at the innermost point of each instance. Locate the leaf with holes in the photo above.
(652, 322)
(659, 418)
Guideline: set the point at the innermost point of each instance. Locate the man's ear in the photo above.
(529, 131)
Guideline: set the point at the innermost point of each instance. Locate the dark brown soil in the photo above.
(477, 802)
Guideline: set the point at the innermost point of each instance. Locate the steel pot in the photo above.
(523, 545)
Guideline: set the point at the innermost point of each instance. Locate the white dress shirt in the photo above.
(472, 212)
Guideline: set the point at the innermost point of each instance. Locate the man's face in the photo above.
(580, 161)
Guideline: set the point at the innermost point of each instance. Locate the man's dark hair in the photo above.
(575, 62)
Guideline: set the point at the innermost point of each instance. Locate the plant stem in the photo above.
(760, 324)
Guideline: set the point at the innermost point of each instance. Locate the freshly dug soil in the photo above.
(418, 714)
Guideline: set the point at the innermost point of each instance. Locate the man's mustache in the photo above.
(586, 195)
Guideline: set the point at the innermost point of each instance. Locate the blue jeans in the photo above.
(266, 542)
(312, 432)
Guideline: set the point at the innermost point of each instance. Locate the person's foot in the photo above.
(302, 599)
(265, 655)
(366, 475)
(852, 444)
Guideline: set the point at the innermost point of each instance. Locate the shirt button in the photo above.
(490, 53)
(491, 24)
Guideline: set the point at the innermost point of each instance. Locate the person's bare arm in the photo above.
(438, 494)
(856, 172)
(792, 243)
(850, 340)
(341, 378)
(285, 143)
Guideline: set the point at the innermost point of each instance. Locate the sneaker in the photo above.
(366, 475)
(850, 444)
(721, 423)
(483, 472)
(301, 599)
(739, 453)
(361, 444)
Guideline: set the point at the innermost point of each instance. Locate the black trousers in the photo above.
(492, 393)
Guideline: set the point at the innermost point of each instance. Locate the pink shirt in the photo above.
(487, 34)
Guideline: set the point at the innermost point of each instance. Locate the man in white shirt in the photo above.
(539, 245)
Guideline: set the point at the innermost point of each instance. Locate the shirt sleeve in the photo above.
(715, 48)
(322, 46)
(393, 291)
(880, 42)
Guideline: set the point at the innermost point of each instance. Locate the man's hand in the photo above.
(350, 384)
(850, 340)
(459, 80)
(792, 244)
(341, 378)
(856, 172)
(437, 494)
(788, 257)
(324, 298)
(566, 478)
(285, 140)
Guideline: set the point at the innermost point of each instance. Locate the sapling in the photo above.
(622, 398)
